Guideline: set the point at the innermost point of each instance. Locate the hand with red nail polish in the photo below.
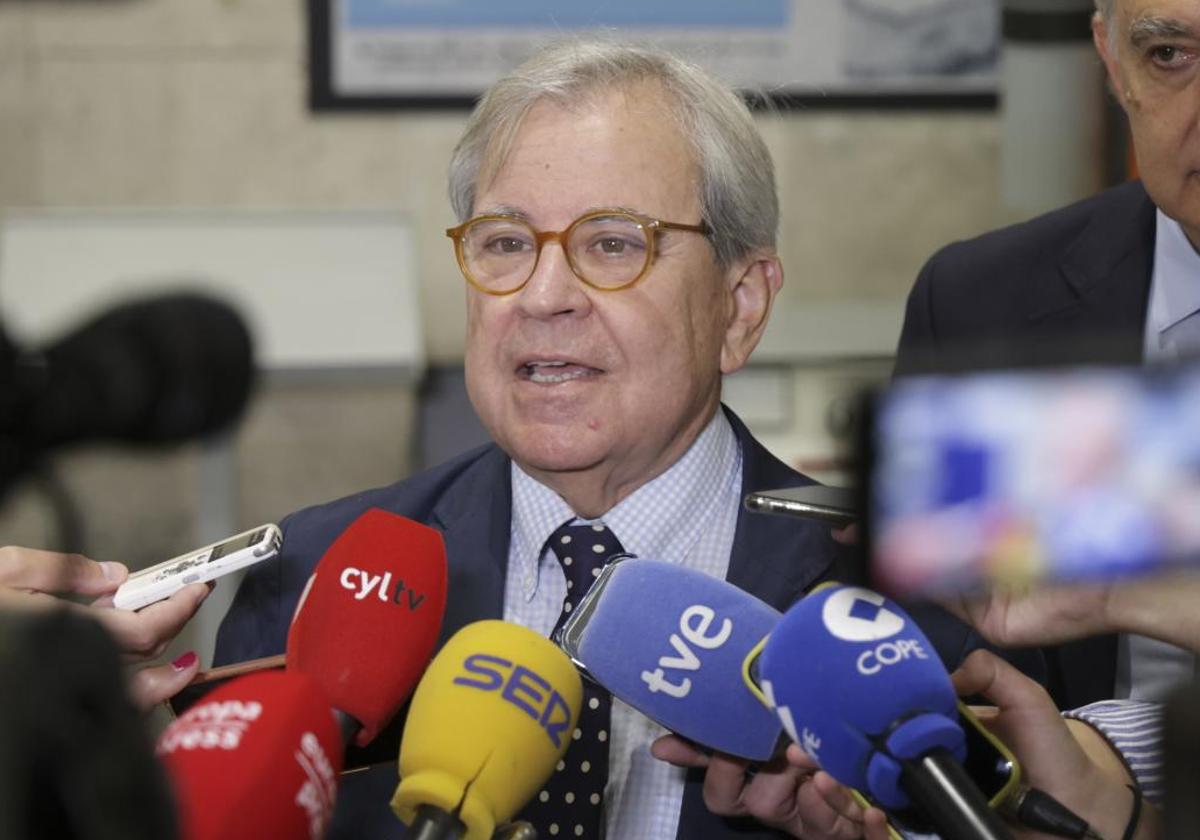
(32, 579)
(153, 685)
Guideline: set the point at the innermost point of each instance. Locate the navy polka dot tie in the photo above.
(572, 802)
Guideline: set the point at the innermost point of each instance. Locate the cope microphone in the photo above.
(859, 687)
(257, 757)
(489, 721)
(369, 617)
(670, 642)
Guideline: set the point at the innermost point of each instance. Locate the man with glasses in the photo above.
(617, 224)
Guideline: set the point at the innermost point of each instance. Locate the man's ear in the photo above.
(752, 292)
(1104, 46)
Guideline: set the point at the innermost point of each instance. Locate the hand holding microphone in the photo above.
(859, 687)
(490, 719)
(670, 642)
(1067, 759)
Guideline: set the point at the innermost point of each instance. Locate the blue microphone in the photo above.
(860, 688)
(670, 642)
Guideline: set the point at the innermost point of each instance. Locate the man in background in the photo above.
(1113, 278)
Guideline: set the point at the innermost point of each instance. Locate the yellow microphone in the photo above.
(488, 722)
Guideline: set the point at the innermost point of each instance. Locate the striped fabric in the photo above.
(1134, 729)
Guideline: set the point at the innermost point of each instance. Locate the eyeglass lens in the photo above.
(607, 251)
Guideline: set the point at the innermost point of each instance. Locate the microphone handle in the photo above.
(940, 788)
(435, 824)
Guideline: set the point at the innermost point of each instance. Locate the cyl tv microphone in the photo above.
(369, 618)
(258, 757)
(492, 716)
(670, 642)
(859, 687)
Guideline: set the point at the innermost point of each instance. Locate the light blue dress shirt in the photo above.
(686, 515)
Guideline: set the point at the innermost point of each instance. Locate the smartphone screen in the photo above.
(1074, 474)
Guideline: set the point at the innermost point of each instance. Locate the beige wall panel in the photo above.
(136, 506)
(164, 27)
(106, 132)
(14, 31)
(18, 126)
(867, 198)
(18, 133)
(302, 445)
(263, 148)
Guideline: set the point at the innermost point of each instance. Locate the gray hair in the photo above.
(736, 175)
(1105, 8)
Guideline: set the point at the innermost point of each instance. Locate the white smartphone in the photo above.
(200, 566)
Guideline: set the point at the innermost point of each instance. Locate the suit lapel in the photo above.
(775, 558)
(1101, 283)
(474, 516)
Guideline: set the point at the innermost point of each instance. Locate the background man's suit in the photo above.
(469, 500)
(1071, 286)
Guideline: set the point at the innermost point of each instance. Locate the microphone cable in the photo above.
(1039, 810)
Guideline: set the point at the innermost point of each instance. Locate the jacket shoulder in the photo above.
(1041, 238)
(257, 621)
(414, 497)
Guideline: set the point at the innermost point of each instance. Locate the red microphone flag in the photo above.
(257, 757)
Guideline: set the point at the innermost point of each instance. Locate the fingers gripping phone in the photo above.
(200, 566)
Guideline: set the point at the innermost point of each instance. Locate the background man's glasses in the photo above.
(607, 249)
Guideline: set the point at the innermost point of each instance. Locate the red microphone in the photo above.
(257, 757)
(369, 617)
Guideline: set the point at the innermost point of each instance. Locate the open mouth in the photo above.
(553, 371)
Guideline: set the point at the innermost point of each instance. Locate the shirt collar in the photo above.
(656, 521)
(1176, 278)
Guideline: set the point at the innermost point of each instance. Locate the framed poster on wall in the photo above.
(381, 54)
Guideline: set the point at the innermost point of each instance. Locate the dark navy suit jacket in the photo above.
(1071, 286)
(469, 499)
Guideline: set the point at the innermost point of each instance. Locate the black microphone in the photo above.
(160, 370)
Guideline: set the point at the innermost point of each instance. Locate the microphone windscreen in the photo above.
(161, 370)
(670, 642)
(258, 757)
(369, 618)
(491, 718)
(858, 686)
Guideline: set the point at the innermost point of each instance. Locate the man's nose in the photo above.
(553, 289)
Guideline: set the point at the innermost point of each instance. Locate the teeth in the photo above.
(547, 371)
(536, 376)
